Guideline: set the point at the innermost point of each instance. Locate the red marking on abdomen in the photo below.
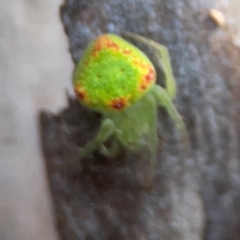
(140, 64)
(147, 80)
(112, 45)
(118, 104)
(104, 42)
(150, 76)
(143, 86)
(127, 51)
(80, 94)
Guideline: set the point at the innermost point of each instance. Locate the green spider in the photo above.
(118, 80)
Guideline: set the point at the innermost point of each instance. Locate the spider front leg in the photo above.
(163, 62)
(106, 130)
(163, 99)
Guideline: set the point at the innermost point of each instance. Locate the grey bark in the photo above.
(193, 199)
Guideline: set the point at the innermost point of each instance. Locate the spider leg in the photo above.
(163, 99)
(164, 62)
(112, 150)
(106, 130)
(152, 142)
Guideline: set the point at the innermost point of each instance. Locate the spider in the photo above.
(118, 80)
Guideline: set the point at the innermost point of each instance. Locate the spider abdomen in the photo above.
(112, 74)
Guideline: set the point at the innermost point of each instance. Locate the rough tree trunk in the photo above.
(194, 199)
